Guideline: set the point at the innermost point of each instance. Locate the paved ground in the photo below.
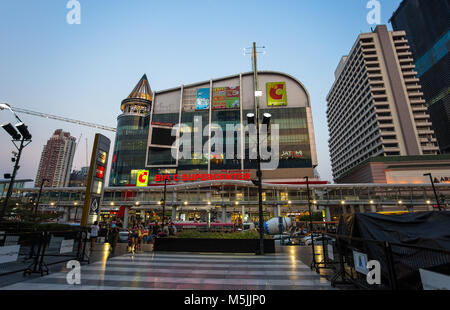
(191, 271)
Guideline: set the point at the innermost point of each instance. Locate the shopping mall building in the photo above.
(150, 123)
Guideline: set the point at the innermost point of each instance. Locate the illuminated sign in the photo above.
(441, 180)
(142, 178)
(202, 101)
(101, 157)
(203, 177)
(276, 93)
(291, 154)
(99, 172)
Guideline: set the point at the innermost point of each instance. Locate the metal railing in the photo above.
(33, 252)
(400, 263)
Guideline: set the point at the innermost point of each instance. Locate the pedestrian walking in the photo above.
(94, 234)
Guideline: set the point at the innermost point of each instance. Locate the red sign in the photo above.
(203, 177)
(99, 172)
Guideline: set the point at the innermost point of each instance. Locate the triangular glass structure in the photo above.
(142, 90)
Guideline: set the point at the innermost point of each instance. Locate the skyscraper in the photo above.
(428, 31)
(56, 160)
(376, 105)
(131, 136)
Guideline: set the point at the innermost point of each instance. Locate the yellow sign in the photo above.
(142, 178)
(276, 93)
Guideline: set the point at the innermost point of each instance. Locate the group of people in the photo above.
(138, 234)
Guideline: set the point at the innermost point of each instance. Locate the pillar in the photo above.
(327, 214)
(243, 214)
(224, 214)
(362, 209)
(373, 208)
(352, 209)
(125, 218)
(410, 208)
(174, 213)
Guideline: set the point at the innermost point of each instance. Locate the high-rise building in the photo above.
(427, 27)
(376, 105)
(131, 136)
(56, 160)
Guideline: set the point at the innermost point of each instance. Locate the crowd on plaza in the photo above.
(138, 233)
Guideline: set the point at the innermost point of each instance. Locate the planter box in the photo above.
(213, 245)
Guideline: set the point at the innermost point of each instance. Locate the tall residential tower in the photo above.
(56, 160)
(376, 106)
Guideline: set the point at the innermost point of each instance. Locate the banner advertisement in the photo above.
(142, 178)
(276, 93)
(202, 101)
(233, 97)
(219, 98)
(226, 98)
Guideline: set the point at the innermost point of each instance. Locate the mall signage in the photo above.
(95, 182)
(142, 178)
(202, 177)
(276, 93)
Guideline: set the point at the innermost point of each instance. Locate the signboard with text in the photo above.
(276, 93)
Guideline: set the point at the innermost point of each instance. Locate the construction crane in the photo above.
(64, 119)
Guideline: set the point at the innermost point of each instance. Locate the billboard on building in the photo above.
(202, 101)
(226, 98)
(276, 93)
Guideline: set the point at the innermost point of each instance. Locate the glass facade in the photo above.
(129, 149)
(294, 144)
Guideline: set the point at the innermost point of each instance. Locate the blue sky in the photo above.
(84, 71)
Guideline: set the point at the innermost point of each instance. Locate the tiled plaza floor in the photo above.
(189, 271)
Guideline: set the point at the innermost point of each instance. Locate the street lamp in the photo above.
(24, 138)
(39, 195)
(163, 202)
(434, 190)
(310, 223)
(266, 120)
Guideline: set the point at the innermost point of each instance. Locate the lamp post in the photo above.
(310, 223)
(164, 202)
(24, 138)
(253, 118)
(39, 195)
(434, 190)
